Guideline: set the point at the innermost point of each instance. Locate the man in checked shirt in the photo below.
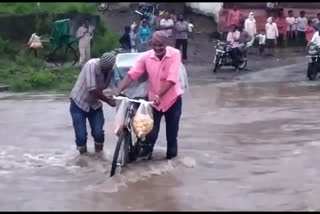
(86, 98)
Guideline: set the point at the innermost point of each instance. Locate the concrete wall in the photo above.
(209, 9)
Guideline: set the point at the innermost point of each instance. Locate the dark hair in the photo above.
(236, 27)
(302, 12)
(309, 21)
(290, 11)
(127, 28)
(318, 14)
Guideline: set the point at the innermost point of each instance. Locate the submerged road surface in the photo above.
(250, 143)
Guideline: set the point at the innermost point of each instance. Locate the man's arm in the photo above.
(135, 72)
(92, 86)
(99, 95)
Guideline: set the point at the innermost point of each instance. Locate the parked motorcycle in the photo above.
(314, 62)
(103, 6)
(223, 56)
(146, 10)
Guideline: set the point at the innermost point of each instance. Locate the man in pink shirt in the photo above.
(234, 17)
(162, 64)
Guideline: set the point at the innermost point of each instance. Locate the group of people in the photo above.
(162, 64)
(278, 29)
(136, 38)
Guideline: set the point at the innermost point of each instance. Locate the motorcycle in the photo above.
(146, 10)
(314, 63)
(103, 6)
(223, 56)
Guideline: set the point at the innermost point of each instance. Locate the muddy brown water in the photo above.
(251, 143)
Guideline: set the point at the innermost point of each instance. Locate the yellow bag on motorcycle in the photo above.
(143, 120)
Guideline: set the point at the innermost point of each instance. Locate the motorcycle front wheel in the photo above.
(216, 64)
(102, 6)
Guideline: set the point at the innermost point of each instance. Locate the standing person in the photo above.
(316, 20)
(291, 27)
(125, 40)
(157, 20)
(84, 35)
(173, 16)
(251, 27)
(234, 17)
(167, 25)
(144, 34)
(262, 42)
(162, 65)
(282, 28)
(302, 23)
(271, 35)
(182, 29)
(191, 26)
(134, 39)
(233, 38)
(310, 31)
(86, 97)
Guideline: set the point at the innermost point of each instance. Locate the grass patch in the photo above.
(50, 7)
(28, 73)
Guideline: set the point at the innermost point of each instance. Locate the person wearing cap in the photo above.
(162, 65)
(86, 97)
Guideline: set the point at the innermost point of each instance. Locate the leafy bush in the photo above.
(41, 80)
(105, 42)
(56, 7)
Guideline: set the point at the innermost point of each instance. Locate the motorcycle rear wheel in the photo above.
(243, 65)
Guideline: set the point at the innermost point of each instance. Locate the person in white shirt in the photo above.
(262, 42)
(316, 39)
(302, 23)
(291, 28)
(251, 27)
(85, 34)
(233, 38)
(316, 20)
(271, 35)
(167, 24)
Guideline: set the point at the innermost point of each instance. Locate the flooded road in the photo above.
(248, 143)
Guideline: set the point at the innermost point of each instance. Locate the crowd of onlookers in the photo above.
(136, 37)
(279, 30)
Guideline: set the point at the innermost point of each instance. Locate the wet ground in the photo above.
(246, 142)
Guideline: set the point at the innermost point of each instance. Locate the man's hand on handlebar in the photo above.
(156, 100)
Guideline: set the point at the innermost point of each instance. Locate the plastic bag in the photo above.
(120, 117)
(35, 42)
(143, 120)
(183, 78)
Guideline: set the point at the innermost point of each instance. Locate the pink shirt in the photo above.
(159, 72)
(309, 33)
(233, 18)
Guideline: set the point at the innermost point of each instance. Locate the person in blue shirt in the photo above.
(144, 34)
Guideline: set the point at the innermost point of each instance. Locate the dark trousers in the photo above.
(301, 36)
(79, 120)
(184, 44)
(172, 116)
(280, 40)
(261, 49)
(236, 56)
